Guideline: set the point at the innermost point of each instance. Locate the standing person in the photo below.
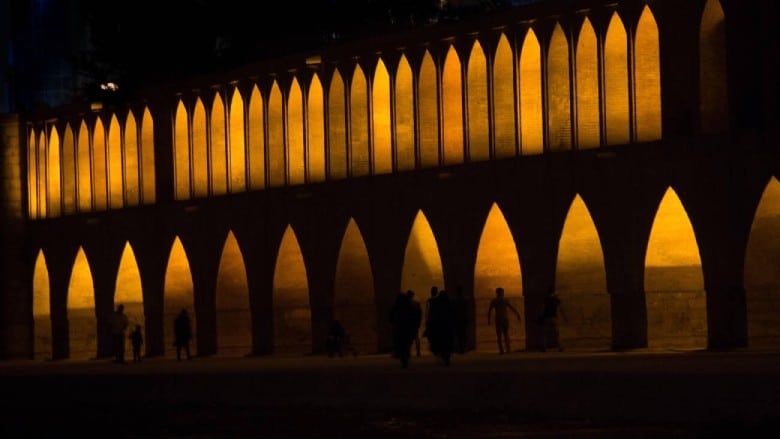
(136, 339)
(549, 321)
(402, 319)
(416, 319)
(428, 303)
(441, 329)
(118, 323)
(502, 318)
(182, 332)
(460, 307)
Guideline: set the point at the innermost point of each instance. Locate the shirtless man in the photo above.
(502, 319)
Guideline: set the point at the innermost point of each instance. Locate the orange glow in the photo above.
(99, 168)
(588, 125)
(128, 292)
(354, 290)
(237, 151)
(292, 315)
(337, 129)
(68, 171)
(616, 83)
(531, 96)
(358, 123)
(404, 117)
(647, 76)
(32, 175)
(181, 146)
(452, 109)
(256, 153)
(316, 131)
(132, 164)
(54, 186)
(497, 265)
(84, 174)
(200, 153)
(178, 293)
(479, 142)
(114, 159)
(559, 100)
(762, 280)
(42, 175)
(234, 319)
(429, 113)
(674, 283)
(380, 94)
(297, 164)
(504, 100)
(276, 166)
(218, 160)
(41, 310)
(147, 158)
(713, 102)
(82, 322)
(422, 264)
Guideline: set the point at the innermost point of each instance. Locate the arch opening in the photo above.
(234, 316)
(178, 294)
(42, 347)
(292, 312)
(82, 322)
(129, 292)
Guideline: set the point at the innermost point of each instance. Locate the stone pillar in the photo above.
(629, 319)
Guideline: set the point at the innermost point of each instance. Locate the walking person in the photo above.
(501, 305)
(416, 319)
(549, 321)
(182, 334)
(441, 327)
(118, 323)
(136, 340)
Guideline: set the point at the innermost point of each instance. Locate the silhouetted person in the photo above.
(118, 323)
(460, 306)
(183, 333)
(417, 315)
(402, 318)
(502, 305)
(434, 293)
(136, 340)
(549, 321)
(335, 340)
(441, 326)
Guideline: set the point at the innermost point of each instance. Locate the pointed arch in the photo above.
(315, 129)
(674, 282)
(237, 149)
(147, 158)
(114, 159)
(428, 111)
(479, 142)
(132, 163)
(200, 152)
(178, 293)
(380, 119)
(292, 314)
(504, 100)
(337, 129)
(129, 292)
(531, 137)
(234, 318)
(559, 91)
(354, 290)
(296, 160)
(42, 347)
(218, 159)
(762, 280)
(497, 265)
(84, 170)
(53, 170)
(32, 174)
(82, 322)
(581, 281)
(422, 267)
(647, 74)
(404, 116)
(452, 109)
(256, 153)
(276, 159)
(588, 114)
(99, 166)
(358, 122)
(713, 61)
(616, 83)
(181, 146)
(42, 175)
(68, 171)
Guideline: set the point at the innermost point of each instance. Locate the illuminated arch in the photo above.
(82, 322)
(337, 129)
(316, 131)
(68, 171)
(504, 100)
(42, 348)
(354, 290)
(558, 92)
(234, 318)
(358, 117)
(181, 148)
(452, 109)
(479, 143)
(114, 160)
(132, 163)
(616, 83)
(762, 280)
(256, 141)
(380, 95)
(581, 281)
(674, 283)
(54, 183)
(99, 167)
(497, 265)
(296, 160)
(647, 74)
(178, 293)
(428, 111)
(129, 292)
(532, 141)
(588, 124)
(713, 98)
(292, 315)
(237, 150)
(147, 157)
(218, 159)
(422, 267)
(276, 162)
(200, 153)
(404, 116)
(84, 170)
(32, 175)
(42, 175)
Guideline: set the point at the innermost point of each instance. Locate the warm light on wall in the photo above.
(504, 100)
(200, 153)
(380, 95)
(358, 124)
(32, 175)
(276, 159)
(337, 129)
(237, 149)
(404, 117)
(616, 83)
(178, 293)
(477, 106)
(132, 162)
(84, 177)
(531, 138)
(256, 141)
(558, 92)
(588, 125)
(54, 183)
(181, 150)
(428, 112)
(296, 160)
(316, 131)
(647, 78)
(114, 159)
(292, 315)
(99, 167)
(41, 309)
(218, 159)
(42, 175)
(69, 171)
(452, 109)
(147, 158)
(422, 264)
(713, 89)
(234, 318)
(82, 322)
